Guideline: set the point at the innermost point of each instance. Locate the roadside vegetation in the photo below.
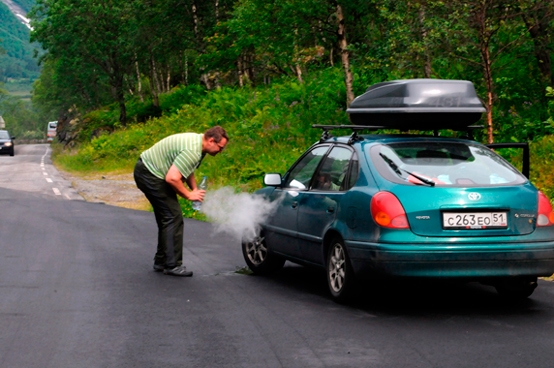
(269, 128)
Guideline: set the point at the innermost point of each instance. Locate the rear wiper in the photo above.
(397, 170)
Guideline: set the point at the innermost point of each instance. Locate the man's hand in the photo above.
(175, 179)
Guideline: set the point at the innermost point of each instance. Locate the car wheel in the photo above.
(12, 153)
(259, 258)
(340, 276)
(516, 288)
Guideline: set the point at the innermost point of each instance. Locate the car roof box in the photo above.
(418, 104)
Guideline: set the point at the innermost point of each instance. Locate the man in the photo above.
(160, 174)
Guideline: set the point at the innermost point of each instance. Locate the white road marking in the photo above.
(49, 180)
(56, 191)
(45, 173)
(45, 153)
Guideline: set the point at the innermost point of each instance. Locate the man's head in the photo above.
(214, 141)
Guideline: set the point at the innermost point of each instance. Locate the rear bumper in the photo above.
(476, 261)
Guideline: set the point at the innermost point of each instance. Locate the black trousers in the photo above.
(169, 216)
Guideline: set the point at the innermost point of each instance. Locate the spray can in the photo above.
(196, 205)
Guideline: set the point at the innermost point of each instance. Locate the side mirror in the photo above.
(273, 179)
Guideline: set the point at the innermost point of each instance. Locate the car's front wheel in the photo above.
(340, 276)
(259, 258)
(516, 288)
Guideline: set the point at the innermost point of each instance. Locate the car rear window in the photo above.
(443, 164)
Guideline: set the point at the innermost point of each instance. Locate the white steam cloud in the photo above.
(237, 214)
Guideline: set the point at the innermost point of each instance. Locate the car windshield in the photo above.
(4, 135)
(443, 164)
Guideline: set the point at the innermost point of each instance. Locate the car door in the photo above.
(318, 206)
(281, 230)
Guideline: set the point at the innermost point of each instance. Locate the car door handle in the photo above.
(294, 204)
(330, 209)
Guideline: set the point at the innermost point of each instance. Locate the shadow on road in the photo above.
(409, 297)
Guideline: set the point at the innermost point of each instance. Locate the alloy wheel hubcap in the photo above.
(256, 251)
(336, 269)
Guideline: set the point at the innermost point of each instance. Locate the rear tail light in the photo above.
(387, 211)
(546, 215)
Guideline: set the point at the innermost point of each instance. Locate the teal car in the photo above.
(373, 206)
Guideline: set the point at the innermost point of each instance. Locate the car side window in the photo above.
(332, 175)
(299, 177)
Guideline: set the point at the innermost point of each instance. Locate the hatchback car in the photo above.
(6, 143)
(373, 206)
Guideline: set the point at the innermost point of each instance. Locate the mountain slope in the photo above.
(17, 61)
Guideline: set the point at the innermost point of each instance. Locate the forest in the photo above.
(104, 52)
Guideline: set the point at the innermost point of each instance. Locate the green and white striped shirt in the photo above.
(184, 150)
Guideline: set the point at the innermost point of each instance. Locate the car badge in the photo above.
(474, 196)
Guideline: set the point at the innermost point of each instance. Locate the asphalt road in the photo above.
(77, 290)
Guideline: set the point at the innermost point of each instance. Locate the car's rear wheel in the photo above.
(340, 276)
(516, 288)
(259, 258)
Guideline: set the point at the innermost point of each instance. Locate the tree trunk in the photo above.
(487, 71)
(298, 72)
(427, 59)
(186, 68)
(240, 71)
(120, 97)
(139, 82)
(345, 56)
(122, 111)
(538, 29)
(153, 87)
(482, 23)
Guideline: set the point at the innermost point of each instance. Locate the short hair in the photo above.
(217, 133)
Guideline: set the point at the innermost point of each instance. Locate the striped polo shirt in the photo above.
(184, 150)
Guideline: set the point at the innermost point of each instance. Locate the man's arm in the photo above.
(175, 179)
(191, 181)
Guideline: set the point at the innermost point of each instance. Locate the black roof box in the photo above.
(418, 104)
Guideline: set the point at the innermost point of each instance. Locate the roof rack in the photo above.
(355, 128)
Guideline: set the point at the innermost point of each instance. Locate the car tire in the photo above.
(12, 153)
(340, 275)
(516, 288)
(259, 258)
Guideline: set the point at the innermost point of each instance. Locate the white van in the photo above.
(51, 131)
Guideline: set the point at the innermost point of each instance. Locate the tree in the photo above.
(538, 16)
(486, 37)
(92, 35)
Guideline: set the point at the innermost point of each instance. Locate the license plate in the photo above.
(474, 220)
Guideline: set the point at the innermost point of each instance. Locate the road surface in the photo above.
(77, 289)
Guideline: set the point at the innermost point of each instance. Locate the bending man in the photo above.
(160, 174)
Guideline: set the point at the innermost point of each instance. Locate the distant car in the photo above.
(51, 131)
(6, 143)
(375, 206)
